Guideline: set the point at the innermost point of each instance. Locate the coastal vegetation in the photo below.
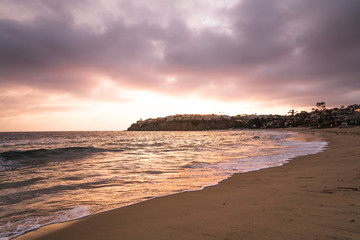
(319, 117)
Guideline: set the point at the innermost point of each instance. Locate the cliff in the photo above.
(185, 125)
(319, 118)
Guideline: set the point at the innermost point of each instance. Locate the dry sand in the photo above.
(312, 197)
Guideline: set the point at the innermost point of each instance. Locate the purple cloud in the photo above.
(295, 52)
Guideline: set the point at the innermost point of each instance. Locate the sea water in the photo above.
(51, 177)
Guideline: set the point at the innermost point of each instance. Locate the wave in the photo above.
(35, 222)
(195, 164)
(13, 159)
(20, 196)
(38, 153)
(29, 182)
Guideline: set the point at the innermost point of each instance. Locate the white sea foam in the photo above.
(6, 164)
(253, 163)
(23, 226)
(72, 214)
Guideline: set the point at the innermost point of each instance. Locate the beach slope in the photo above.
(312, 197)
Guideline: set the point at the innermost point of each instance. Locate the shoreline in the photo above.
(302, 199)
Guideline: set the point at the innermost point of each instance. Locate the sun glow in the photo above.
(119, 113)
(154, 105)
(117, 110)
(171, 79)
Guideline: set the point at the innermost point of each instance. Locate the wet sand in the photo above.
(312, 197)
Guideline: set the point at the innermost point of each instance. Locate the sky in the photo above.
(104, 64)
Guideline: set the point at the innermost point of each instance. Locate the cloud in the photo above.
(280, 51)
(25, 101)
(44, 47)
(287, 51)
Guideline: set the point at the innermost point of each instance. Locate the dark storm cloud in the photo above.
(258, 36)
(303, 50)
(285, 51)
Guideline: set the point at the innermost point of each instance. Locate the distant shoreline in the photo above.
(318, 118)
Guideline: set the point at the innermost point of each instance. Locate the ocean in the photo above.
(51, 177)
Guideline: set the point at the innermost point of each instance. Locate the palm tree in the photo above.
(321, 105)
(292, 112)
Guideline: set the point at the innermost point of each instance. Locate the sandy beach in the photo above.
(312, 197)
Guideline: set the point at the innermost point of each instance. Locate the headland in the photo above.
(318, 118)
